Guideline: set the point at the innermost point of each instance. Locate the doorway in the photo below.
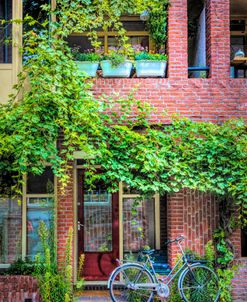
(98, 229)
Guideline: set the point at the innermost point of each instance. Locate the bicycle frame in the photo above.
(148, 265)
(169, 278)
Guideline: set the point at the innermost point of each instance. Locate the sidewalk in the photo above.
(94, 295)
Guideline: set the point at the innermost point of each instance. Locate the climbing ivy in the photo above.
(57, 103)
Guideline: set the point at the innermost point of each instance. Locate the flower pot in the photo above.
(122, 70)
(148, 68)
(88, 67)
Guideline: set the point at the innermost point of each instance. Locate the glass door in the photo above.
(98, 229)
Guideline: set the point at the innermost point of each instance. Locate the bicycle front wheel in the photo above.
(199, 283)
(131, 283)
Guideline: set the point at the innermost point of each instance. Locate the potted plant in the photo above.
(87, 62)
(116, 64)
(150, 64)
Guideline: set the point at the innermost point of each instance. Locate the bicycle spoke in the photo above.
(131, 284)
(200, 284)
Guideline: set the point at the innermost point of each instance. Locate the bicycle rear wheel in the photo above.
(199, 284)
(131, 283)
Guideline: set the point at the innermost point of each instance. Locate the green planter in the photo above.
(88, 67)
(150, 69)
(122, 70)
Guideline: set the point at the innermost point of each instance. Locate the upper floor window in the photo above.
(136, 32)
(33, 9)
(5, 32)
(238, 39)
(197, 39)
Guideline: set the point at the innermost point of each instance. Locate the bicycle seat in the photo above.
(148, 252)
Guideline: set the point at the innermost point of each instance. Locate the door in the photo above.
(98, 229)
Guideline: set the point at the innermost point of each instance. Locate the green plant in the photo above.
(21, 267)
(85, 56)
(80, 281)
(54, 284)
(150, 56)
(115, 56)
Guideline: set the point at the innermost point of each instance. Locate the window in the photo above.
(238, 39)
(10, 221)
(244, 242)
(5, 32)
(197, 39)
(97, 218)
(138, 224)
(33, 9)
(40, 207)
(136, 31)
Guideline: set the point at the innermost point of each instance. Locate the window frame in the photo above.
(27, 196)
(106, 34)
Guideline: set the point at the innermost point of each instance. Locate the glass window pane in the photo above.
(41, 184)
(10, 230)
(97, 219)
(237, 42)
(138, 224)
(82, 43)
(134, 41)
(5, 32)
(38, 209)
(134, 25)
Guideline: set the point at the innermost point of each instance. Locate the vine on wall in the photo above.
(184, 154)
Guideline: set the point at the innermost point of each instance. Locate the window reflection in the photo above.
(97, 212)
(38, 209)
(10, 230)
(138, 224)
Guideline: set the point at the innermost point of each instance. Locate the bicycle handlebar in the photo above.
(178, 239)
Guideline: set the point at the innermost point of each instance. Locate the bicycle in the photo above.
(138, 282)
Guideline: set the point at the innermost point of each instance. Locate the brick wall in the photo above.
(65, 216)
(194, 215)
(18, 288)
(240, 280)
(215, 100)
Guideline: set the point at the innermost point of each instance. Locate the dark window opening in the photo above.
(244, 242)
(41, 184)
(197, 39)
(33, 8)
(237, 25)
(5, 32)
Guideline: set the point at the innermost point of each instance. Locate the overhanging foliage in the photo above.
(59, 101)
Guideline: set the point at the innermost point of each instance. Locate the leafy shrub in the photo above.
(115, 58)
(82, 56)
(144, 55)
(21, 267)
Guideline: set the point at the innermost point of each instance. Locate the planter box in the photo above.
(88, 67)
(146, 68)
(123, 70)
